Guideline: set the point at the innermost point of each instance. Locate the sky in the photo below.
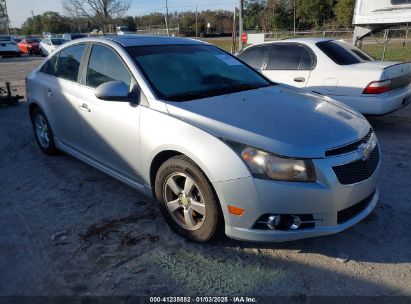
(20, 10)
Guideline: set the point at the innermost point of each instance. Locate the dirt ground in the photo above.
(67, 229)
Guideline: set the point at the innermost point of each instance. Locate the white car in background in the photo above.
(48, 45)
(334, 68)
(8, 47)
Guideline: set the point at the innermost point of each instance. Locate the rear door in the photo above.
(60, 88)
(289, 63)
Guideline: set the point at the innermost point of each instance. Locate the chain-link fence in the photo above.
(393, 44)
(389, 45)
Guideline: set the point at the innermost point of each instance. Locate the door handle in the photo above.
(84, 107)
(49, 93)
(299, 79)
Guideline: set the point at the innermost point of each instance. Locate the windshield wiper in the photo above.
(185, 96)
(191, 95)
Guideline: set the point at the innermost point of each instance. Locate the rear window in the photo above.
(77, 36)
(343, 53)
(58, 41)
(32, 40)
(5, 38)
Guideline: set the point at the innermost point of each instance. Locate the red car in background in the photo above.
(29, 46)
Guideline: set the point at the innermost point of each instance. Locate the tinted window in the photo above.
(342, 53)
(5, 38)
(254, 56)
(187, 72)
(289, 57)
(50, 66)
(105, 66)
(68, 62)
(77, 36)
(58, 41)
(32, 40)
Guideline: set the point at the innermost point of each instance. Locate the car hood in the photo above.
(280, 119)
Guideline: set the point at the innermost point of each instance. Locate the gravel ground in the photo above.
(67, 229)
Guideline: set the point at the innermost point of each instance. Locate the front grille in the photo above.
(350, 212)
(359, 170)
(350, 147)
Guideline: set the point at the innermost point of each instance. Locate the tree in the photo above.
(344, 11)
(314, 13)
(100, 12)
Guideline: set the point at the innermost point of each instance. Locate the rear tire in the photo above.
(187, 199)
(43, 133)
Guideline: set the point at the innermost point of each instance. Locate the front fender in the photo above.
(160, 132)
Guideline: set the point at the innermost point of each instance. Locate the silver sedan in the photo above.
(216, 144)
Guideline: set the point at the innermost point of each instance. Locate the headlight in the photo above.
(269, 166)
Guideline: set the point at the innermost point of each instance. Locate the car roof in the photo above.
(140, 40)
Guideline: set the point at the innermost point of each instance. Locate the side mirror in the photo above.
(113, 90)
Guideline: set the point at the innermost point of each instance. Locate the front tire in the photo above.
(43, 133)
(187, 199)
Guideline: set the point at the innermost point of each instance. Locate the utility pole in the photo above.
(240, 25)
(234, 34)
(295, 15)
(34, 21)
(168, 32)
(4, 18)
(196, 19)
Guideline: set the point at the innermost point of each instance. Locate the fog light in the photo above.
(273, 221)
(296, 222)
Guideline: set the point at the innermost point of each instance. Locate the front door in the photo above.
(111, 128)
(289, 64)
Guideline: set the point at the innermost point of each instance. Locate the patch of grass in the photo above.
(394, 52)
(223, 43)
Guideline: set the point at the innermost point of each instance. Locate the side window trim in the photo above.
(86, 46)
(306, 47)
(87, 60)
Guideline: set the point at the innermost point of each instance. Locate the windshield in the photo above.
(343, 53)
(58, 41)
(187, 72)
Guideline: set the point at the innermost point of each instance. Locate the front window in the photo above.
(104, 66)
(289, 57)
(187, 72)
(342, 53)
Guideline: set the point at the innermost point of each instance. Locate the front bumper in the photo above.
(378, 104)
(324, 200)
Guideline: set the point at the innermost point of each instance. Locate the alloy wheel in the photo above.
(184, 201)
